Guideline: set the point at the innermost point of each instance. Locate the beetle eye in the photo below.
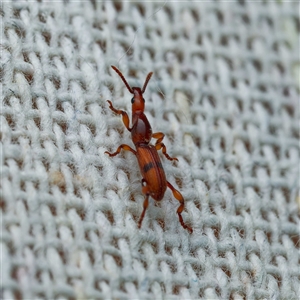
(143, 99)
(132, 100)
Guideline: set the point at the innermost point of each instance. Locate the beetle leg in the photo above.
(125, 117)
(162, 146)
(179, 197)
(146, 202)
(159, 145)
(159, 136)
(124, 147)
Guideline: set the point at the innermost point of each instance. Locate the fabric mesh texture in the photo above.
(225, 91)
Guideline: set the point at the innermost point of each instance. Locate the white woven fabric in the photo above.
(225, 92)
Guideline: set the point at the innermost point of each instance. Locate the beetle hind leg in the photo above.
(179, 197)
(145, 191)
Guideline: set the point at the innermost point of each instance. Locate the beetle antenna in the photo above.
(123, 78)
(146, 82)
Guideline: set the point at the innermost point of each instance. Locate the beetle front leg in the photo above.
(179, 197)
(124, 147)
(125, 117)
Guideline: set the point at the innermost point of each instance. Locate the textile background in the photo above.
(225, 91)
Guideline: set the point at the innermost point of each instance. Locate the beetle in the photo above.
(154, 182)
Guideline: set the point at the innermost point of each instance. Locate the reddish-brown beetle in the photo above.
(154, 182)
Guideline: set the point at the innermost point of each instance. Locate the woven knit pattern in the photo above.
(225, 91)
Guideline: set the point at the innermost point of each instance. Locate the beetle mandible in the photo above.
(154, 182)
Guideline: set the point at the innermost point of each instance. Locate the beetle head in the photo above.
(138, 102)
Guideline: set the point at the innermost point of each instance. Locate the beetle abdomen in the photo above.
(152, 171)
